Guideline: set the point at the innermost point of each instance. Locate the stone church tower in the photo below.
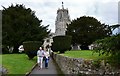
(62, 20)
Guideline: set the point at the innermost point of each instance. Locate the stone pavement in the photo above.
(52, 69)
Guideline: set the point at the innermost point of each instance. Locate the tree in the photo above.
(85, 30)
(21, 24)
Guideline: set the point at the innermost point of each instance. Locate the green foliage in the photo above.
(86, 30)
(61, 43)
(17, 63)
(5, 50)
(109, 45)
(31, 48)
(20, 24)
(96, 63)
(114, 60)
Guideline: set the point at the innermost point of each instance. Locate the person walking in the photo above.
(40, 55)
(47, 56)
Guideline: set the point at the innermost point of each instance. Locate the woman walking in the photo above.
(47, 56)
(40, 55)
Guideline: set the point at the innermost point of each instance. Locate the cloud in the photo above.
(105, 11)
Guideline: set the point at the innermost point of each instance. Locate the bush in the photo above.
(31, 47)
(61, 43)
(5, 50)
(53, 47)
(109, 45)
(96, 63)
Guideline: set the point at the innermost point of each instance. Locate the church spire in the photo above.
(62, 5)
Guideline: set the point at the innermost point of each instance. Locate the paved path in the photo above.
(52, 69)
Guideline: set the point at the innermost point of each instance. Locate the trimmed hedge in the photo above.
(61, 43)
(31, 48)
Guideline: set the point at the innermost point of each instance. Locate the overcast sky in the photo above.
(106, 11)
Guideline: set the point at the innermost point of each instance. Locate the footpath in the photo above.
(52, 70)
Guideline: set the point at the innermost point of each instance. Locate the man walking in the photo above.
(40, 55)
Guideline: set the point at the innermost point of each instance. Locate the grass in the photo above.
(86, 54)
(17, 63)
(0, 59)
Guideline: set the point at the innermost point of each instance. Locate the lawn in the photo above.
(17, 63)
(0, 59)
(87, 54)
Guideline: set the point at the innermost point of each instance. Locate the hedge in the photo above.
(31, 47)
(61, 43)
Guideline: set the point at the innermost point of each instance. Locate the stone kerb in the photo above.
(83, 66)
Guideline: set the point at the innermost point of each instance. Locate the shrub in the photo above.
(96, 63)
(61, 43)
(109, 45)
(53, 47)
(31, 47)
(5, 50)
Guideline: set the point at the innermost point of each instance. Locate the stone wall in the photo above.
(82, 66)
(3, 71)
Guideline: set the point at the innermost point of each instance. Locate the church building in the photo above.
(62, 19)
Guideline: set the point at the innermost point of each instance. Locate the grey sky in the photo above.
(106, 11)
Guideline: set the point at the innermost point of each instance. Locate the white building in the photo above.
(48, 41)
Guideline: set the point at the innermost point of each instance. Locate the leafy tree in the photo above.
(85, 30)
(21, 24)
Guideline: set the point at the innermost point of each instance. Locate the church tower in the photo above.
(62, 20)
